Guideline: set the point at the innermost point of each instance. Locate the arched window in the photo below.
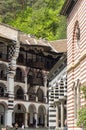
(18, 76)
(31, 94)
(40, 95)
(30, 76)
(21, 58)
(20, 94)
(76, 41)
(40, 78)
(76, 89)
(1, 91)
(3, 72)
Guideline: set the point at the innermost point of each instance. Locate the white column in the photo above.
(62, 114)
(26, 88)
(46, 121)
(9, 118)
(26, 118)
(36, 119)
(45, 86)
(57, 116)
(10, 79)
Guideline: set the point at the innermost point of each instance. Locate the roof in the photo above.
(10, 33)
(55, 46)
(59, 45)
(67, 7)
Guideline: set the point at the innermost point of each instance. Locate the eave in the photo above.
(67, 7)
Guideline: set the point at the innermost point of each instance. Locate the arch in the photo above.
(19, 93)
(3, 108)
(76, 31)
(31, 94)
(20, 58)
(3, 51)
(39, 78)
(41, 115)
(3, 90)
(42, 109)
(3, 71)
(30, 76)
(32, 108)
(19, 114)
(19, 75)
(75, 41)
(31, 116)
(40, 95)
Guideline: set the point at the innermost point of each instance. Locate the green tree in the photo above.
(38, 17)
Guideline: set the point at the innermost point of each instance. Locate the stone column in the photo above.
(57, 116)
(13, 54)
(36, 118)
(36, 99)
(46, 121)
(9, 118)
(26, 96)
(10, 98)
(26, 119)
(62, 114)
(45, 86)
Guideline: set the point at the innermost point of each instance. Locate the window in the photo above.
(76, 88)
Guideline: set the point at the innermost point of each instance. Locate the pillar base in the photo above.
(57, 128)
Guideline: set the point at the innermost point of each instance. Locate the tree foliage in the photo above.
(82, 112)
(38, 17)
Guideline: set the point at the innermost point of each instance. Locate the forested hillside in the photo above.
(37, 17)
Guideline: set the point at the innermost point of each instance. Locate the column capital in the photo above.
(11, 74)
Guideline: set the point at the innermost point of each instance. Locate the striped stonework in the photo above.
(57, 101)
(76, 55)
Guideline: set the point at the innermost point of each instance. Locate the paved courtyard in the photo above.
(35, 129)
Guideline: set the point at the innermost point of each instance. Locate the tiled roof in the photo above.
(10, 33)
(56, 46)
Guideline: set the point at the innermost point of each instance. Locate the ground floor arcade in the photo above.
(34, 116)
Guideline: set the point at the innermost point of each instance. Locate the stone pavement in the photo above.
(35, 129)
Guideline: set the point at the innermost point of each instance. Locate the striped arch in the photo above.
(75, 39)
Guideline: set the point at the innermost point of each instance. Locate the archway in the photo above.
(3, 72)
(40, 95)
(31, 94)
(19, 114)
(31, 115)
(19, 75)
(3, 108)
(3, 91)
(19, 94)
(41, 116)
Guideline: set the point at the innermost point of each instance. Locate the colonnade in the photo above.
(61, 104)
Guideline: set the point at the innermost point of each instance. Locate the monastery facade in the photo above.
(25, 63)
